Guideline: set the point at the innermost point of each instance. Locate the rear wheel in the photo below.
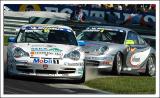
(150, 67)
(117, 64)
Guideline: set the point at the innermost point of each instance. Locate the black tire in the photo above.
(6, 69)
(7, 73)
(117, 64)
(150, 67)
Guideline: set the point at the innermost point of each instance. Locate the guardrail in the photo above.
(11, 23)
(14, 20)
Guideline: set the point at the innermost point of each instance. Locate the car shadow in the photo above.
(122, 74)
(42, 80)
(66, 81)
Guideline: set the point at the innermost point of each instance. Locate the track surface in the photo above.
(30, 85)
(41, 86)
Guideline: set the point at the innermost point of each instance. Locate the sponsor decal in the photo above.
(135, 61)
(55, 50)
(45, 66)
(29, 7)
(100, 58)
(102, 30)
(39, 49)
(38, 60)
(129, 42)
(72, 64)
(139, 57)
(46, 51)
(32, 30)
(89, 12)
(46, 30)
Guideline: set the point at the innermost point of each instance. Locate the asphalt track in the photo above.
(44, 86)
(30, 85)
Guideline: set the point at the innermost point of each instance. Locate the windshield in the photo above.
(52, 36)
(105, 36)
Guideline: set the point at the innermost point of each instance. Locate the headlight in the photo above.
(102, 50)
(74, 55)
(18, 52)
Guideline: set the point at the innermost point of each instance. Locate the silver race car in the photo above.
(117, 49)
(46, 51)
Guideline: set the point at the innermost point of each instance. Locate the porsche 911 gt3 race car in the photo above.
(46, 51)
(117, 49)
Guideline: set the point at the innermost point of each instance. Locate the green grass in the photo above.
(125, 84)
(6, 40)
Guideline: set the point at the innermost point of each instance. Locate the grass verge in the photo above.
(125, 84)
(6, 40)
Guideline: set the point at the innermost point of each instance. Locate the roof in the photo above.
(42, 26)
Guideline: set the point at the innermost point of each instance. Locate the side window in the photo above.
(133, 36)
(21, 36)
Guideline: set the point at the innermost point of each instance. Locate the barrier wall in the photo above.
(14, 20)
(113, 16)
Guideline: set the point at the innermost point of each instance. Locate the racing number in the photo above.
(137, 50)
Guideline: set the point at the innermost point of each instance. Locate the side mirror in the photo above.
(11, 39)
(129, 42)
(81, 43)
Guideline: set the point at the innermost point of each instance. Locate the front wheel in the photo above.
(150, 67)
(7, 71)
(117, 64)
(9, 68)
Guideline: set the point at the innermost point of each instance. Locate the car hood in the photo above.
(45, 49)
(91, 47)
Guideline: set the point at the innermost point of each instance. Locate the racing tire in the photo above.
(7, 73)
(117, 64)
(150, 66)
(5, 68)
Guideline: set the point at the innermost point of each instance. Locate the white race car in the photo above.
(46, 51)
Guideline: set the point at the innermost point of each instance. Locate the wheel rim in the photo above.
(119, 63)
(151, 66)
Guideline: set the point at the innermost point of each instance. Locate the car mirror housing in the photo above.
(11, 39)
(81, 43)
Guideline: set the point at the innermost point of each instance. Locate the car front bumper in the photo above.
(100, 62)
(65, 69)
